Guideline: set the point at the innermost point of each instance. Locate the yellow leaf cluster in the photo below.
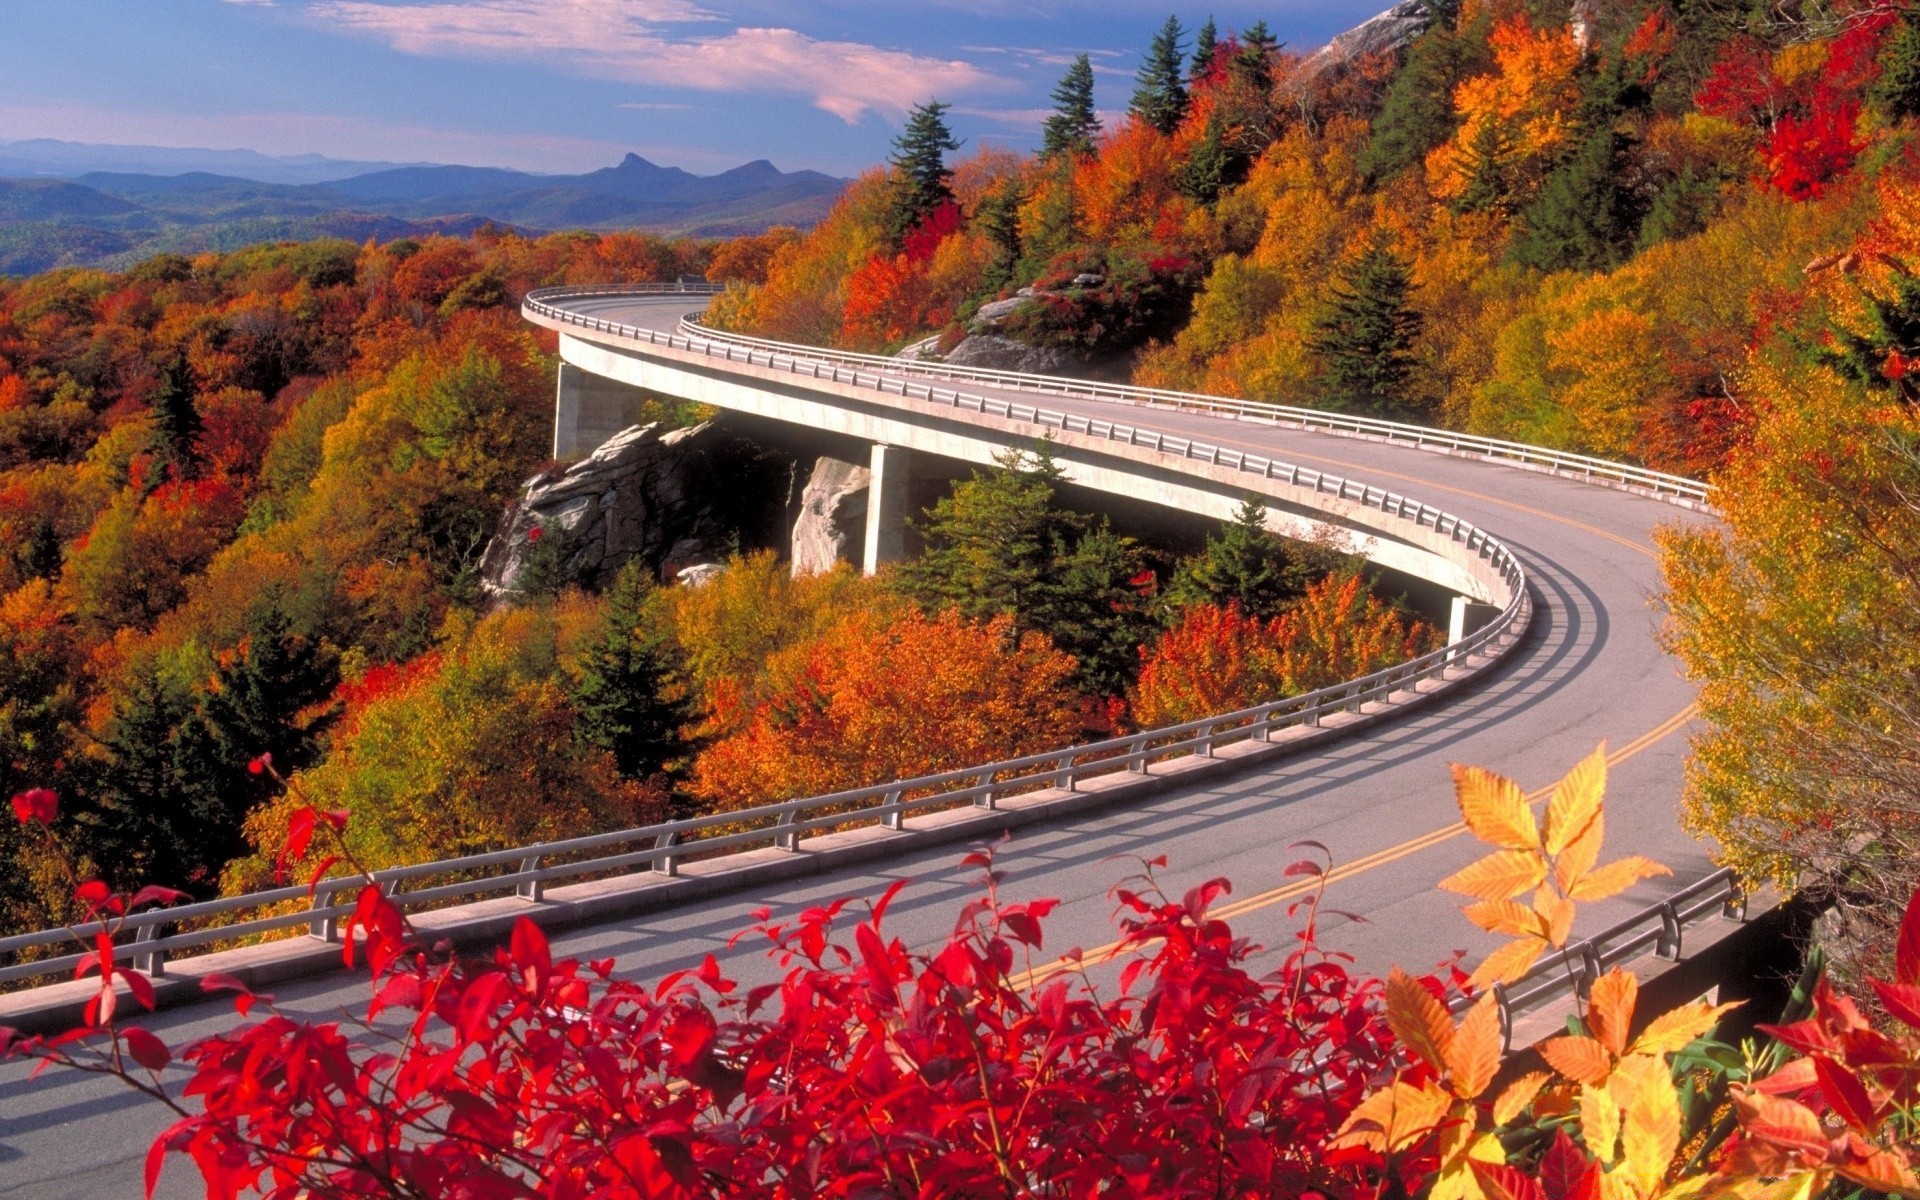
(1555, 861)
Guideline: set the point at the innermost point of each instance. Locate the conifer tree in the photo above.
(1253, 65)
(1213, 166)
(1074, 125)
(1243, 564)
(623, 698)
(42, 556)
(176, 419)
(923, 181)
(1583, 218)
(1486, 190)
(1002, 543)
(1365, 341)
(1206, 43)
(1896, 93)
(1160, 94)
(1417, 112)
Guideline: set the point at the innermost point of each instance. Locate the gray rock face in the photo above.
(1390, 32)
(833, 516)
(644, 495)
(995, 352)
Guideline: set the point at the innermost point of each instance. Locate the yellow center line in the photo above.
(1358, 866)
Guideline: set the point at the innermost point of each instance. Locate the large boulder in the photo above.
(997, 352)
(833, 516)
(646, 494)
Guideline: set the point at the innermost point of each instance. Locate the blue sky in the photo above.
(568, 85)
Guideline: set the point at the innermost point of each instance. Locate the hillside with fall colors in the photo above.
(1561, 227)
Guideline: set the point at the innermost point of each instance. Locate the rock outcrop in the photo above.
(645, 494)
(1391, 32)
(833, 516)
(997, 352)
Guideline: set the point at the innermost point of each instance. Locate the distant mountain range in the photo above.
(57, 215)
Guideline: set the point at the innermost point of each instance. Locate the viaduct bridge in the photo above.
(1552, 649)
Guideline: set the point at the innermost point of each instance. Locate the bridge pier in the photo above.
(588, 409)
(1466, 616)
(887, 502)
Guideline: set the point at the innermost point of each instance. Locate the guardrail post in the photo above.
(1063, 774)
(1589, 969)
(985, 799)
(667, 864)
(1670, 932)
(891, 814)
(790, 840)
(1137, 756)
(326, 928)
(153, 962)
(1505, 1008)
(531, 889)
(1735, 909)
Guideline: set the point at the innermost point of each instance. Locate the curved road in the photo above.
(1590, 671)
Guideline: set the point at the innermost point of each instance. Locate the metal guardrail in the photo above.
(155, 937)
(1581, 466)
(1575, 967)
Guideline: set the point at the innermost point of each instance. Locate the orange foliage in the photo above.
(1521, 113)
(1218, 660)
(882, 697)
(1125, 194)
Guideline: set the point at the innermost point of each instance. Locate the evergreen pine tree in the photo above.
(1243, 564)
(1001, 543)
(624, 698)
(1486, 189)
(999, 220)
(1160, 94)
(1206, 43)
(1416, 115)
(42, 557)
(1213, 166)
(1365, 341)
(1253, 65)
(1896, 93)
(1074, 125)
(176, 419)
(922, 179)
(1583, 219)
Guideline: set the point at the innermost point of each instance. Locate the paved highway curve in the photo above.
(1590, 671)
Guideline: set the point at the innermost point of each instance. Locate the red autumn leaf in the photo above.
(146, 1049)
(36, 804)
(155, 894)
(92, 894)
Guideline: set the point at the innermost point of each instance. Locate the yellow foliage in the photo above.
(1522, 113)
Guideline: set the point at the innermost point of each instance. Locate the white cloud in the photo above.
(634, 41)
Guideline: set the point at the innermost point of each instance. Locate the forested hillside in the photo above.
(1557, 227)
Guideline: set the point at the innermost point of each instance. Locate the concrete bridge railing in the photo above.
(1688, 493)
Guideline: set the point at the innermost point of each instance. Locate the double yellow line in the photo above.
(1359, 866)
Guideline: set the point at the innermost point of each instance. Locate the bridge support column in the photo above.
(887, 506)
(1467, 616)
(588, 410)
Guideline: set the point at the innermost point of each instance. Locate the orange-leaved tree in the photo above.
(1216, 660)
(880, 697)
